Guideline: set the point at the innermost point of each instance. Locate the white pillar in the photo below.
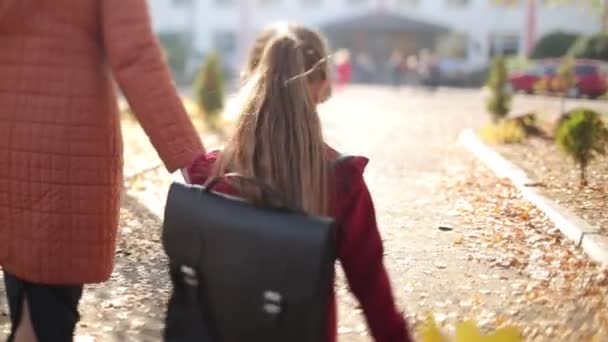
(531, 22)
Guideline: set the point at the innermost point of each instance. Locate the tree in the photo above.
(499, 102)
(583, 136)
(554, 45)
(593, 47)
(209, 88)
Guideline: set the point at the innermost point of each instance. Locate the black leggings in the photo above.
(53, 309)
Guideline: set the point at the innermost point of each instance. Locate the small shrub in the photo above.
(499, 102)
(560, 121)
(504, 132)
(554, 45)
(209, 90)
(582, 136)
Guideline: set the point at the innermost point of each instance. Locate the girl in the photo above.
(279, 142)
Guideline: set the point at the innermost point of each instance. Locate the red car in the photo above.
(591, 79)
(528, 81)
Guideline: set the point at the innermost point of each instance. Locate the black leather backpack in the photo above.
(243, 273)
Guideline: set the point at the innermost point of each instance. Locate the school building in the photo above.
(467, 32)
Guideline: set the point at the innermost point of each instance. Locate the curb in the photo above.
(572, 226)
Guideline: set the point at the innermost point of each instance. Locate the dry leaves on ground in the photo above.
(558, 176)
(507, 232)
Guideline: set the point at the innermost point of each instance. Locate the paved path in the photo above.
(410, 140)
(416, 177)
(415, 164)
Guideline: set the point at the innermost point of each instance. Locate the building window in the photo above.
(224, 42)
(504, 45)
(311, 3)
(457, 3)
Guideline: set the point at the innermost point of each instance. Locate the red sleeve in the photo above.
(360, 252)
(201, 168)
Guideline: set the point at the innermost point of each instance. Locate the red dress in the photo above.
(360, 249)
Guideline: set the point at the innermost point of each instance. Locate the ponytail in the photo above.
(279, 139)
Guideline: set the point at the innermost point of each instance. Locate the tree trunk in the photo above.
(583, 176)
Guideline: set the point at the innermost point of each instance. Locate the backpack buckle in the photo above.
(273, 303)
(189, 275)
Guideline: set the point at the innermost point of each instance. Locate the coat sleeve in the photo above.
(360, 252)
(136, 60)
(201, 168)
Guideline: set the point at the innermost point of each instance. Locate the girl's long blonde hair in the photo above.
(279, 140)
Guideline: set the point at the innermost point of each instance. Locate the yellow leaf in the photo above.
(506, 334)
(467, 332)
(430, 331)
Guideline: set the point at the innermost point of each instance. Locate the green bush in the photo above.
(582, 135)
(554, 45)
(499, 102)
(209, 89)
(593, 47)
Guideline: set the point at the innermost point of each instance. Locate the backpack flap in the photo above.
(264, 274)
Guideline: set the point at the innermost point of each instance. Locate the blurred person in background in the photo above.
(411, 74)
(434, 69)
(61, 147)
(344, 68)
(396, 68)
(365, 68)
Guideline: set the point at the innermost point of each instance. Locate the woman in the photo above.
(61, 147)
(279, 141)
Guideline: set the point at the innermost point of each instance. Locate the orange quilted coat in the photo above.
(60, 141)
